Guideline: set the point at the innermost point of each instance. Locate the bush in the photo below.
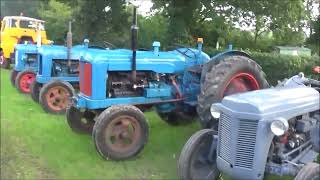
(277, 67)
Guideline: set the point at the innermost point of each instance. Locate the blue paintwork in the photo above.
(22, 51)
(178, 62)
(48, 53)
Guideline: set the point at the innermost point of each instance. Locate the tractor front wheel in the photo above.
(230, 75)
(55, 96)
(120, 132)
(24, 80)
(198, 157)
(311, 171)
(35, 91)
(13, 77)
(80, 121)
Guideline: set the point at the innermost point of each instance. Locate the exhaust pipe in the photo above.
(69, 45)
(134, 44)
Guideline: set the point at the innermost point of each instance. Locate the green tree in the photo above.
(56, 14)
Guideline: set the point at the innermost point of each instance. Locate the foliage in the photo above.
(57, 15)
(278, 67)
(152, 29)
(15, 7)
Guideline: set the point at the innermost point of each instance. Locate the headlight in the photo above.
(279, 126)
(215, 112)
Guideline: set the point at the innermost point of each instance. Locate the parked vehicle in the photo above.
(273, 131)
(117, 85)
(57, 77)
(19, 30)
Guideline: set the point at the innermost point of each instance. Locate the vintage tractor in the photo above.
(274, 131)
(58, 74)
(19, 30)
(117, 85)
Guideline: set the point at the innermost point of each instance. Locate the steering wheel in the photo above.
(109, 45)
(184, 52)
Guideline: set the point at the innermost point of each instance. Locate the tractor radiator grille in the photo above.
(225, 137)
(246, 141)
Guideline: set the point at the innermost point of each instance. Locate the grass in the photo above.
(36, 145)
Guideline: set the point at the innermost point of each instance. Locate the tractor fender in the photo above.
(215, 59)
(230, 53)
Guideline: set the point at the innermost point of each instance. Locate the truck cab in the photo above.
(19, 30)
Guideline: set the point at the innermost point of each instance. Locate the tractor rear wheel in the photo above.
(120, 132)
(177, 118)
(311, 171)
(55, 96)
(35, 91)
(198, 157)
(24, 80)
(80, 122)
(230, 75)
(13, 77)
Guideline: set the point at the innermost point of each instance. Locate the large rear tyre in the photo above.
(24, 80)
(80, 122)
(311, 171)
(13, 77)
(55, 96)
(197, 161)
(177, 118)
(120, 132)
(230, 75)
(35, 91)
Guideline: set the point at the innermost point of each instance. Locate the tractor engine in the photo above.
(120, 84)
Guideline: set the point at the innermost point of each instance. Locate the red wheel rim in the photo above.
(123, 133)
(25, 82)
(241, 82)
(57, 98)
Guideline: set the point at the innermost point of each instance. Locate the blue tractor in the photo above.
(25, 68)
(57, 75)
(116, 86)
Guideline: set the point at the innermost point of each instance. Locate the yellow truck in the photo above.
(19, 30)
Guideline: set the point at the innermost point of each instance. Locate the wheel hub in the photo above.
(123, 133)
(241, 82)
(57, 98)
(26, 81)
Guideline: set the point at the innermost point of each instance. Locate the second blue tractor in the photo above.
(116, 86)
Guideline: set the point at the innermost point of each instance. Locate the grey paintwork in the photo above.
(290, 99)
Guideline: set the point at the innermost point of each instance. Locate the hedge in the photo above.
(278, 67)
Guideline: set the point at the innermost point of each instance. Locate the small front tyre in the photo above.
(35, 88)
(24, 79)
(13, 77)
(80, 122)
(120, 132)
(55, 96)
(196, 161)
(311, 171)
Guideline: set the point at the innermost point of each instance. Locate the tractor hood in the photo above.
(60, 52)
(161, 62)
(26, 47)
(278, 101)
